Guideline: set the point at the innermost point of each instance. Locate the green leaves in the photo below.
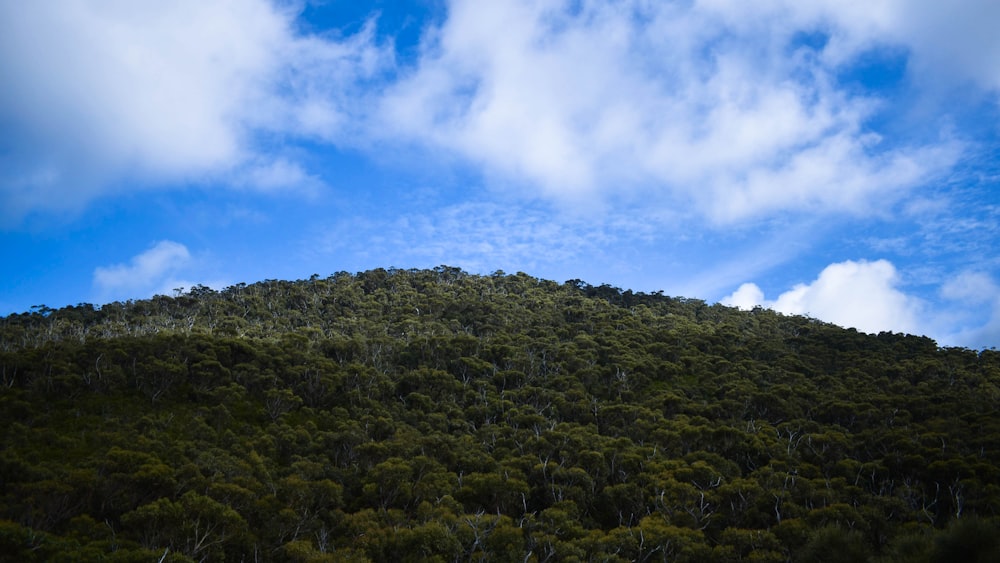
(447, 416)
(194, 525)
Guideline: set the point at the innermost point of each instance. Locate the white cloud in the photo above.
(866, 295)
(99, 94)
(710, 104)
(947, 42)
(979, 336)
(747, 296)
(149, 272)
(971, 287)
(278, 175)
(863, 295)
(477, 236)
(713, 106)
(950, 44)
(974, 307)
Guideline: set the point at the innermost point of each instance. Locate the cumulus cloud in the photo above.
(100, 94)
(712, 103)
(145, 274)
(863, 295)
(867, 296)
(747, 296)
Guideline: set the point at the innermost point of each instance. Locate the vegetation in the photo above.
(440, 416)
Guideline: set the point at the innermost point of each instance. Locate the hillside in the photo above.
(436, 415)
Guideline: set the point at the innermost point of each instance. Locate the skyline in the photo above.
(834, 159)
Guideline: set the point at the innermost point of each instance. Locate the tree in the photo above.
(194, 525)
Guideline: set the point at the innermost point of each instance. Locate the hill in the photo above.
(436, 415)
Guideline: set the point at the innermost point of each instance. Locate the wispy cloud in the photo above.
(973, 309)
(161, 269)
(948, 44)
(145, 273)
(277, 176)
(474, 235)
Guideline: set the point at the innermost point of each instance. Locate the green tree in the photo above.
(194, 525)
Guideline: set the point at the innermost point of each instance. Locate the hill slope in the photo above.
(436, 415)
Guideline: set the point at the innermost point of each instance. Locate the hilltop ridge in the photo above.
(336, 304)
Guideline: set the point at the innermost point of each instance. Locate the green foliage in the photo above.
(971, 540)
(433, 415)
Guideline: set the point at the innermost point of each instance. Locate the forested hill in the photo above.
(433, 415)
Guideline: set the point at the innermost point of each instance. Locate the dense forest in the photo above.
(434, 415)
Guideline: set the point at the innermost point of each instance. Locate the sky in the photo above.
(833, 158)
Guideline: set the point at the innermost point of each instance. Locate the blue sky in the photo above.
(830, 158)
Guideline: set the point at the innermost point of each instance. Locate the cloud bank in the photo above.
(729, 110)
